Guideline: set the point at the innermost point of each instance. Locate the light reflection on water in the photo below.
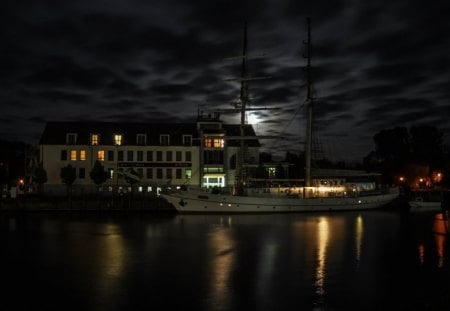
(340, 261)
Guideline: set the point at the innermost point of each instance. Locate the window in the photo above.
(159, 173)
(188, 173)
(95, 139)
(149, 173)
(164, 140)
(63, 155)
(178, 173)
(214, 143)
(73, 155)
(141, 139)
(117, 139)
(81, 173)
(169, 173)
(110, 155)
(101, 155)
(71, 138)
(158, 155)
(120, 155)
(140, 155)
(83, 155)
(150, 156)
(187, 140)
(169, 156)
(188, 156)
(178, 156)
(130, 155)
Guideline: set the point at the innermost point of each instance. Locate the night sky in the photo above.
(377, 65)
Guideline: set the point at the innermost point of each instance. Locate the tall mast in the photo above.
(244, 101)
(309, 108)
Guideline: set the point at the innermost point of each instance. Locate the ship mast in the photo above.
(309, 107)
(243, 102)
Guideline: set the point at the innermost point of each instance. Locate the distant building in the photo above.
(202, 153)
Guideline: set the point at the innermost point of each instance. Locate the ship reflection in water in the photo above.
(373, 260)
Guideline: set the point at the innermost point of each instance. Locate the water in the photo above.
(373, 260)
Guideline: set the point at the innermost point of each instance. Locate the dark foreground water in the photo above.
(373, 260)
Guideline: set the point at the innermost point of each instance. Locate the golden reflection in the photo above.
(221, 261)
(114, 252)
(440, 232)
(323, 236)
(359, 237)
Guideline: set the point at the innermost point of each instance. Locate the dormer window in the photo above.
(71, 138)
(141, 139)
(187, 140)
(164, 140)
(95, 139)
(117, 139)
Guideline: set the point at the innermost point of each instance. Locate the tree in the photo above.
(98, 173)
(40, 176)
(426, 145)
(68, 176)
(398, 151)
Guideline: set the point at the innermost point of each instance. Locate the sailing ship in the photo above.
(336, 195)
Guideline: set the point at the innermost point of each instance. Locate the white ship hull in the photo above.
(202, 202)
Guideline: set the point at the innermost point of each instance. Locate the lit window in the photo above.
(208, 142)
(95, 139)
(82, 155)
(118, 139)
(101, 155)
(111, 173)
(214, 143)
(73, 155)
(188, 173)
(164, 140)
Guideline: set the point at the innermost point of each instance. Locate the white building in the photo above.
(201, 153)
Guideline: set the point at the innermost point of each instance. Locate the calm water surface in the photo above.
(373, 260)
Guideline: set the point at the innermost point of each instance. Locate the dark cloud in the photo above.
(376, 65)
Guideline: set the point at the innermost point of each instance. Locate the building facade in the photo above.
(203, 153)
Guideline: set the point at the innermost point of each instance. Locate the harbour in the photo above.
(370, 260)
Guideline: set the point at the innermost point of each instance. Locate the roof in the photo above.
(55, 132)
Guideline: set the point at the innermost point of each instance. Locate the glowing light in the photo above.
(253, 118)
